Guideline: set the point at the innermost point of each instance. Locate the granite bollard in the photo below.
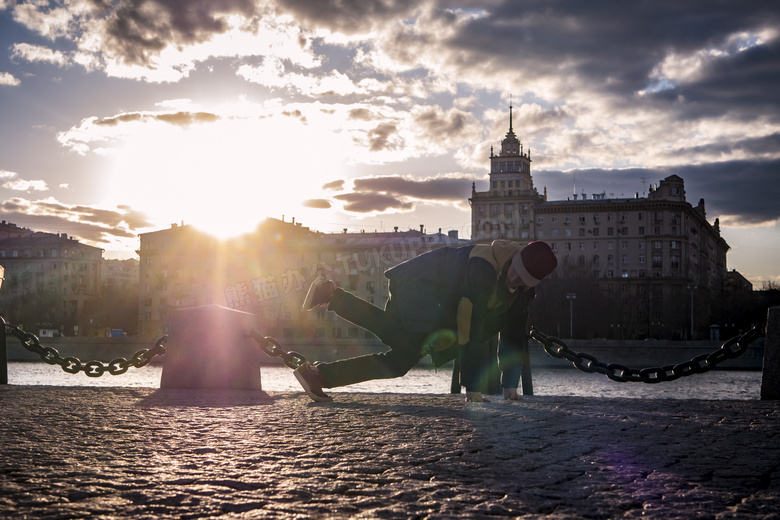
(211, 347)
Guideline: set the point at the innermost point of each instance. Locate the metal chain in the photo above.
(93, 368)
(698, 365)
(273, 348)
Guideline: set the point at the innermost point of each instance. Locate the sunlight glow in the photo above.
(225, 177)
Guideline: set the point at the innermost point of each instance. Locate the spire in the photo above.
(510, 113)
(510, 144)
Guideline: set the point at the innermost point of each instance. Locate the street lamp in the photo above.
(571, 297)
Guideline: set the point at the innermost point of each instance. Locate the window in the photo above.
(568, 232)
(595, 246)
(641, 259)
(582, 232)
(641, 230)
(540, 220)
(582, 246)
(624, 259)
(610, 231)
(595, 232)
(596, 219)
(554, 220)
(657, 244)
(624, 245)
(582, 220)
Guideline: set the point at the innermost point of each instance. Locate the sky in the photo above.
(124, 117)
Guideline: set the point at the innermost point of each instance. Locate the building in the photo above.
(268, 272)
(11, 230)
(50, 281)
(176, 269)
(117, 273)
(635, 267)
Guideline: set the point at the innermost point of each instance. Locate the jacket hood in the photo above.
(503, 251)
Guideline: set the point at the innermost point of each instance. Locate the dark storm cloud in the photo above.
(746, 83)
(434, 189)
(369, 202)
(349, 16)
(613, 45)
(138, 29)
(378, 194)
(744, 192)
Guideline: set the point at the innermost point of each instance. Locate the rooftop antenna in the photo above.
(574, 188)
(644, 187)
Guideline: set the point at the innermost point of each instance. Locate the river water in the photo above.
(716, 384)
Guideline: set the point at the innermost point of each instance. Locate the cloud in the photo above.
(372, 202)
(93, 225)
(380, 137)
(443, 188)
(22, 185)
(334, 185)
(140, 29)
(38, 54)
(12, 183)
(317, 204)
(177, 118)
(9, 80)
(394, 193)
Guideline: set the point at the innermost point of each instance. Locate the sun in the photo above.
(226, 176)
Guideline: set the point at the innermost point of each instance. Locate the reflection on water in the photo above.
(716, 384)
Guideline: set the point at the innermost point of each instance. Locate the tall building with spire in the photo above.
(506, 210)
(649, 266)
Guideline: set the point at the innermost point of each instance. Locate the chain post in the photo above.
(3, 354)
(620, 373)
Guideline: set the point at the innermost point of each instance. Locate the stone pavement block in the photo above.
(173, 453)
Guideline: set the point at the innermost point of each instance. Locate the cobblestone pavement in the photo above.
(146, 453)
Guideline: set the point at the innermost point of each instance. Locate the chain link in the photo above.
(272, 347)
(73, 365)
(621, 373)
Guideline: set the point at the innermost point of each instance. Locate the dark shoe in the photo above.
(319, 293)
(311, 381)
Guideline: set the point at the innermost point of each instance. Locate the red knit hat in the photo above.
(534, 262)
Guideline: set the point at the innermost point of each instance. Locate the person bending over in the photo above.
(446, 303)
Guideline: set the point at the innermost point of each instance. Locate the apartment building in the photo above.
(50, 280)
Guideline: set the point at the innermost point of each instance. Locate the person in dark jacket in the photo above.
(444, 303)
